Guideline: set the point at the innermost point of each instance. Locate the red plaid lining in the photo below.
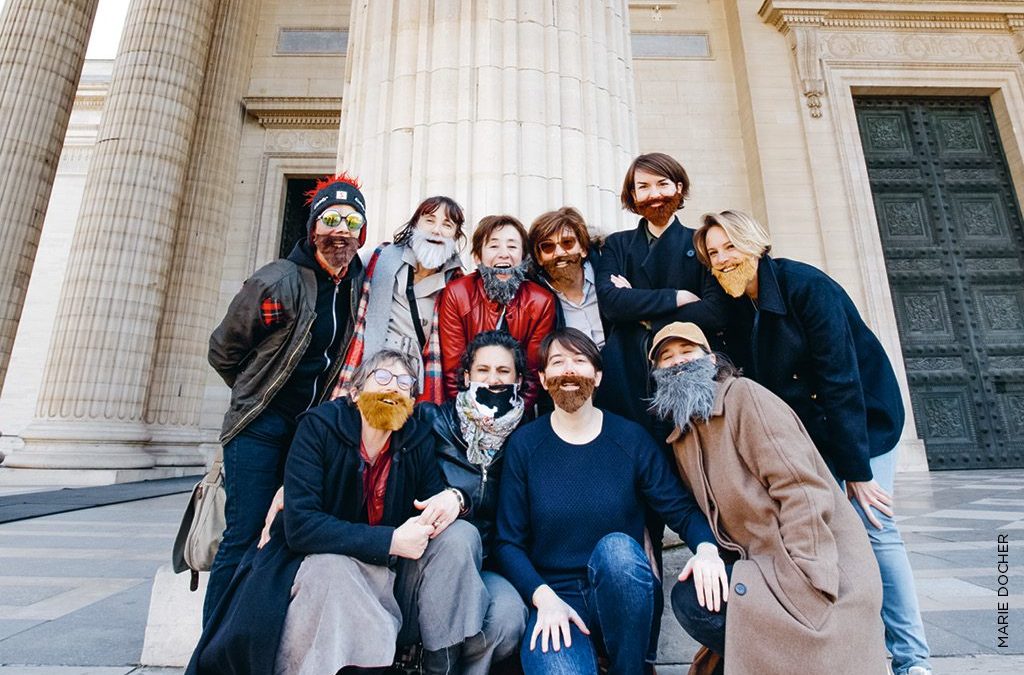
(271, 311)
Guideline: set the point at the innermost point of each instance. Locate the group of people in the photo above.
(483, 464)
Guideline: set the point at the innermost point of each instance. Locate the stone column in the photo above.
(42, 50)
(511, 107)
(91, 407)
(179, 376)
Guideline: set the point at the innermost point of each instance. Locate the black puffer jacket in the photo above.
(478, 483)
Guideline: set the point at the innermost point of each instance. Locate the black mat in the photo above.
(36, 504)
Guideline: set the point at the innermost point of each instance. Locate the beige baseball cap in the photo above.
(677, 329)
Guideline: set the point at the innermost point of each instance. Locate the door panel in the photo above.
(950, 227)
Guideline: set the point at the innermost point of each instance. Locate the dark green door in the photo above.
(951, 231)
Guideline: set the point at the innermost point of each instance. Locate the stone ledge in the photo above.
(295, 112)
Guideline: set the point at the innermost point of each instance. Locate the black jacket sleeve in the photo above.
(242, 330)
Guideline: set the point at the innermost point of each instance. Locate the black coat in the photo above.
(479, 485)
(808, 344)
(655, 275)
(324, 513)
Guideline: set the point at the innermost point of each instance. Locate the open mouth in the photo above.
(389, 401)
(436, 242)
(503, 266)
(569, 386)
(727, 269)
(562, 263)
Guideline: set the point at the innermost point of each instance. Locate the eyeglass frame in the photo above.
(554, 245)
(392, 376)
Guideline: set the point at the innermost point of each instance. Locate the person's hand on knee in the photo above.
(710, 579)
(554, 616)
(440, 511)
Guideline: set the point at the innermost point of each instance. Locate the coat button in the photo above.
(740, 589)
(690, 253)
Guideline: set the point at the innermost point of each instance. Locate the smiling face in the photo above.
(383, 400)
(503, 249)
(437, 225)
(735, 270)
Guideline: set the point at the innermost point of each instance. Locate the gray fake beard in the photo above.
(429, 254)
(685, 392)
(502, 291)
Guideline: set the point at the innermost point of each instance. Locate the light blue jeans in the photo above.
(904, 631)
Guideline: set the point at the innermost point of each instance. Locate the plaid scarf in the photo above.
(433, 384)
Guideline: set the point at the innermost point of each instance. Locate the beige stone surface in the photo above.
(175, 616)
(91, 406)
(516, 108)
(42, 50)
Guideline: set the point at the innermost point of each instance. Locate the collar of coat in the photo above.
(769, 293)
(341, 417)
(717, 409)
(676, 240)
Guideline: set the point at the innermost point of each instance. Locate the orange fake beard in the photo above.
(385, 410)
(736, 280)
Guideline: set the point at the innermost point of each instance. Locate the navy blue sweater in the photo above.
(558, 500)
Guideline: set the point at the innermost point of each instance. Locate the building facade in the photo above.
(880, 141)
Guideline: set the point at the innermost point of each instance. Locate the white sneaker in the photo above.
(919, 670)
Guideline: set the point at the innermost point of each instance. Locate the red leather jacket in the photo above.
(466, 310)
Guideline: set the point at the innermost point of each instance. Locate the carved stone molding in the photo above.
(295, 112)
(924, 31)
(302, 140)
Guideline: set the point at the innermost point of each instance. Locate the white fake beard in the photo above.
(429, 254)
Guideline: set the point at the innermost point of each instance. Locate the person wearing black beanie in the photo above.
(279, 348)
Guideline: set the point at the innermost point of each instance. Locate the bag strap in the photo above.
(414, 309)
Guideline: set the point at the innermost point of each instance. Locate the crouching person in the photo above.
(804, 587)
(368, 554)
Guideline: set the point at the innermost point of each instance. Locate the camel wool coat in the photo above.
(805, 595)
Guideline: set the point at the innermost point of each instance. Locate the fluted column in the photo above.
(179, 376)
(42, 50)
(514, 106)
(91, 407)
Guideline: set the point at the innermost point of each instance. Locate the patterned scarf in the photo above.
(485, 434)
(433, 384)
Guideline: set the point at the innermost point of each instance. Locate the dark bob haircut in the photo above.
(659, 164)
(576, 341)
(429, 205)
(489, 224)
(490, 338)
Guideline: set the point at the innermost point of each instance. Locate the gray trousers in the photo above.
(345, 612)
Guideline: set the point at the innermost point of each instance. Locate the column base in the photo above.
(181, 446)
(80, 444)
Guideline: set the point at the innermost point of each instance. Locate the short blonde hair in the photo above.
(745, 233)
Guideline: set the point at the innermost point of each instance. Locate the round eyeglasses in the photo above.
(332, 219)
(548, 247)
(383, 377)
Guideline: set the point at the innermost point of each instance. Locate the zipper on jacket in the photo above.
(327, 350)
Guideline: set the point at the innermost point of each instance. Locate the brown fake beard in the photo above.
(565, 274)
(573, 399)
(337, 250)
(660, 210)
(735, 281)
(385, 410)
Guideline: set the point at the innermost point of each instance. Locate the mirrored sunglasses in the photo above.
(332, 219)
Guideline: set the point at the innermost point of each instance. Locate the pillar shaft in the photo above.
(42, 50)
(179, 375)
(91, 407)
(513, 106)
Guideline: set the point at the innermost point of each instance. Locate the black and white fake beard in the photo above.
(431, 250)
(502, 291)
(685, 392)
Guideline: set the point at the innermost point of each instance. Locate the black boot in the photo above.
(443, 661)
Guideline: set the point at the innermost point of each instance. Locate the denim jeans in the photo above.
(703, 625)
(253, 470)
(615, 601)
(904, 631)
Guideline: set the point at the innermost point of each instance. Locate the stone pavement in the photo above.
(75, 587)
